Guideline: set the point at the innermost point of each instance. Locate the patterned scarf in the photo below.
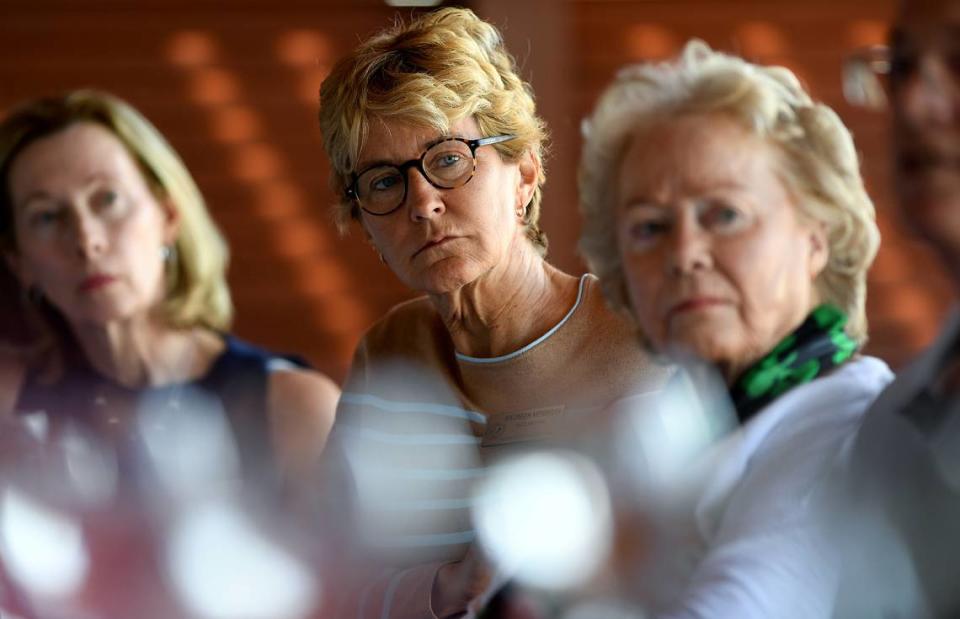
(815, 347)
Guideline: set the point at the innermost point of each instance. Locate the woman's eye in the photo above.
(645, 231)
(46, 217)
(443, 162)
(449, 159)
(385, 183)
(106, 198)
(722, 216)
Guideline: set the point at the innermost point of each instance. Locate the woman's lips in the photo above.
(694, 304)
(434, 243)
(95, 282)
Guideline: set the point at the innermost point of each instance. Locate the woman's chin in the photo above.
(704, 344)
(446, 276)
(93, 315)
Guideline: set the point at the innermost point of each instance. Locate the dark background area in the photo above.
(233, 85)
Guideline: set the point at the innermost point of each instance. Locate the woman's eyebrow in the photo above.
(33, 196)
(642, 201)
(367, 165)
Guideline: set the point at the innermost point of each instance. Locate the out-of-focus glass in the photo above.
(866, 77)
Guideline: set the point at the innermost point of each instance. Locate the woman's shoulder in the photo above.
(299, 402)
(599, 313)
(827, 409)
(406, 328)
(860, 379)
(609, 330)
(239, 351)
(415, 311)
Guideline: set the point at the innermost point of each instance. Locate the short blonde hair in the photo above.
(437, 69)
(197, 292)
(819, 163)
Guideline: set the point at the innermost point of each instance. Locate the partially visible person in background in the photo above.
(123, 270)
(724, 208)
(906, 460)
(437, 154)
(144, 408)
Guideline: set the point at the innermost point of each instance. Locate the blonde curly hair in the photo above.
(819, 164)
(437, 69)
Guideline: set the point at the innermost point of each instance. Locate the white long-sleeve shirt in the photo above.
(759, 541)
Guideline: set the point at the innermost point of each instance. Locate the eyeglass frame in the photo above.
(864, 72)
(417, 163)
(882, 64)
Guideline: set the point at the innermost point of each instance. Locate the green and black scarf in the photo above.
(815, 347)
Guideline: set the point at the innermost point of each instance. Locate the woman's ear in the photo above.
(171, 221)
(529, 166)
(819, 249)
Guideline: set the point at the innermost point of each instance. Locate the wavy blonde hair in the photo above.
(819, 164)
(437, 69)
(197, 292)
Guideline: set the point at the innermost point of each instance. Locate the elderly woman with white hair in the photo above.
(725, 212)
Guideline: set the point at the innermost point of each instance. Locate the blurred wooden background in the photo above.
(233, 84)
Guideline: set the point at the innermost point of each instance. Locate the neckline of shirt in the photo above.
(543, 338)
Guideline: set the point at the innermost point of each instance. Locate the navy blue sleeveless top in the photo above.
(237, 379)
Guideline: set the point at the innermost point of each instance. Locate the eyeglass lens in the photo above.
(447, 164)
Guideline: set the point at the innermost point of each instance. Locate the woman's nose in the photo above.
(689, 249)
(89, 236)
(423, 199)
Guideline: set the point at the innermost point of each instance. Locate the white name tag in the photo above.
(529, 425)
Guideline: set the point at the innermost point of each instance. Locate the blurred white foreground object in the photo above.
(221, 567)
(544, 519)
(43, 550)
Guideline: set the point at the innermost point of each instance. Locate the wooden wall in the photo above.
(233, 85)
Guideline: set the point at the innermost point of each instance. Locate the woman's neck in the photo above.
(142, 352)
(508, 307)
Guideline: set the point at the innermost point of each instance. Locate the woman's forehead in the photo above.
(79, 151)
(399, 140)
(703, 145)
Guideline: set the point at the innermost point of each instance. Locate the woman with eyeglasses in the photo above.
(436, 152)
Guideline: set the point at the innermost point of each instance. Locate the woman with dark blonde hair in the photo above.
(108, 239)
(437, 154)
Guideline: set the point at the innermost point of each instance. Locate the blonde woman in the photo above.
(437, 155)
(108, 237)
(726, 213)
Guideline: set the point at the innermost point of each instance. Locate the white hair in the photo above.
(819, 165)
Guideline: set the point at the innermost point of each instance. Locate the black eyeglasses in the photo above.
(449, 163)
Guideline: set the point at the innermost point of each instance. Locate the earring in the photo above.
(521, 212)
(168, 253)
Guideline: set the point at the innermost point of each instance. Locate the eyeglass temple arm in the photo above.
(495, 139)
